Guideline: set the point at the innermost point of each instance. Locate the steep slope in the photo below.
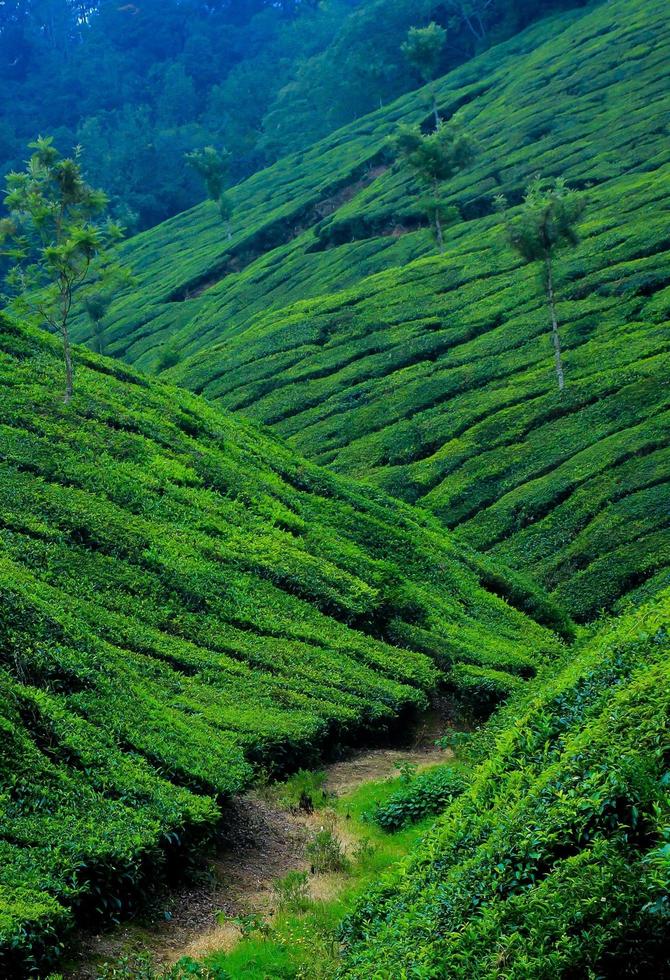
(556, 862)
(436, 383)
(182, 599)
(434, 379)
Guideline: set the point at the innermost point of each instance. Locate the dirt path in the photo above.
(264, 843)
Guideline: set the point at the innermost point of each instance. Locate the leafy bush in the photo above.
(554, 860)
(141, 967)
(304, 790)
(426, 794)
(182, 600)
(432, 379)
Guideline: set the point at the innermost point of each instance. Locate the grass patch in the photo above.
(305, 942)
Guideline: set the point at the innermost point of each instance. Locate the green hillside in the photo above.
(433, 379)
(193, 282)
(184, 599)
(326, 474)
(555, 862)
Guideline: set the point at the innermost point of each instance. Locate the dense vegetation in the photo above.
(183, 599)
(375, 479)
(420, 796)
(555, 862)
(433, 379)
(141, 84)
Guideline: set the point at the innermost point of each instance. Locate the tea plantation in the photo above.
(185, 600)
(555, 862)
(327, 472)
(434, 379)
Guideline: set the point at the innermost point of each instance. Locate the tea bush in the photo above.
(425, 794)
(431, 376)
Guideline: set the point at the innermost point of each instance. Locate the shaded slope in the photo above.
(184, 598)
(555, 862)
(290, 217)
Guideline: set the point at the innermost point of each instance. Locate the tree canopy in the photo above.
(546, 223)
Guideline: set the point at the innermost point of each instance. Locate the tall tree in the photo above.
(433, 160)
(423, 49)
(474, 15)
(545, 223)
(56, 240)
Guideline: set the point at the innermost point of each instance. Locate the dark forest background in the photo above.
(139, 84)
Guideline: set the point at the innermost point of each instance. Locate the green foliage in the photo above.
(306, 942)
(139, 85)
(292, 892)
(546, 224)
(554, 860)
(326, 851)
(546, 220)
(432, 160)
(362, 67)
(303, 790)
(435, 158)
(431, 377)
(168, 358)
(423, 49)
(96, 305)
(251, 924)
(213, 166)
(182, 599)
(426, 794)
(141, 967)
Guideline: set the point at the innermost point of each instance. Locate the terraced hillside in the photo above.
(183, 599)
(191, 276)
(436, 383)
(433, 379)
(555, 862)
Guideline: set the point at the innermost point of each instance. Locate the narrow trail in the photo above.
(263, 843)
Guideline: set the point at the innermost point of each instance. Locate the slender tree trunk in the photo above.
(100, 337)
(439, 233)
(67, 350)
(436, 114)
(554, 324)
(67, 354)
(479, 35)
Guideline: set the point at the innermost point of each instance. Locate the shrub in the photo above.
(141, 967)
(554, 859)
(326, 851)
(292, 892)
(426, 794)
